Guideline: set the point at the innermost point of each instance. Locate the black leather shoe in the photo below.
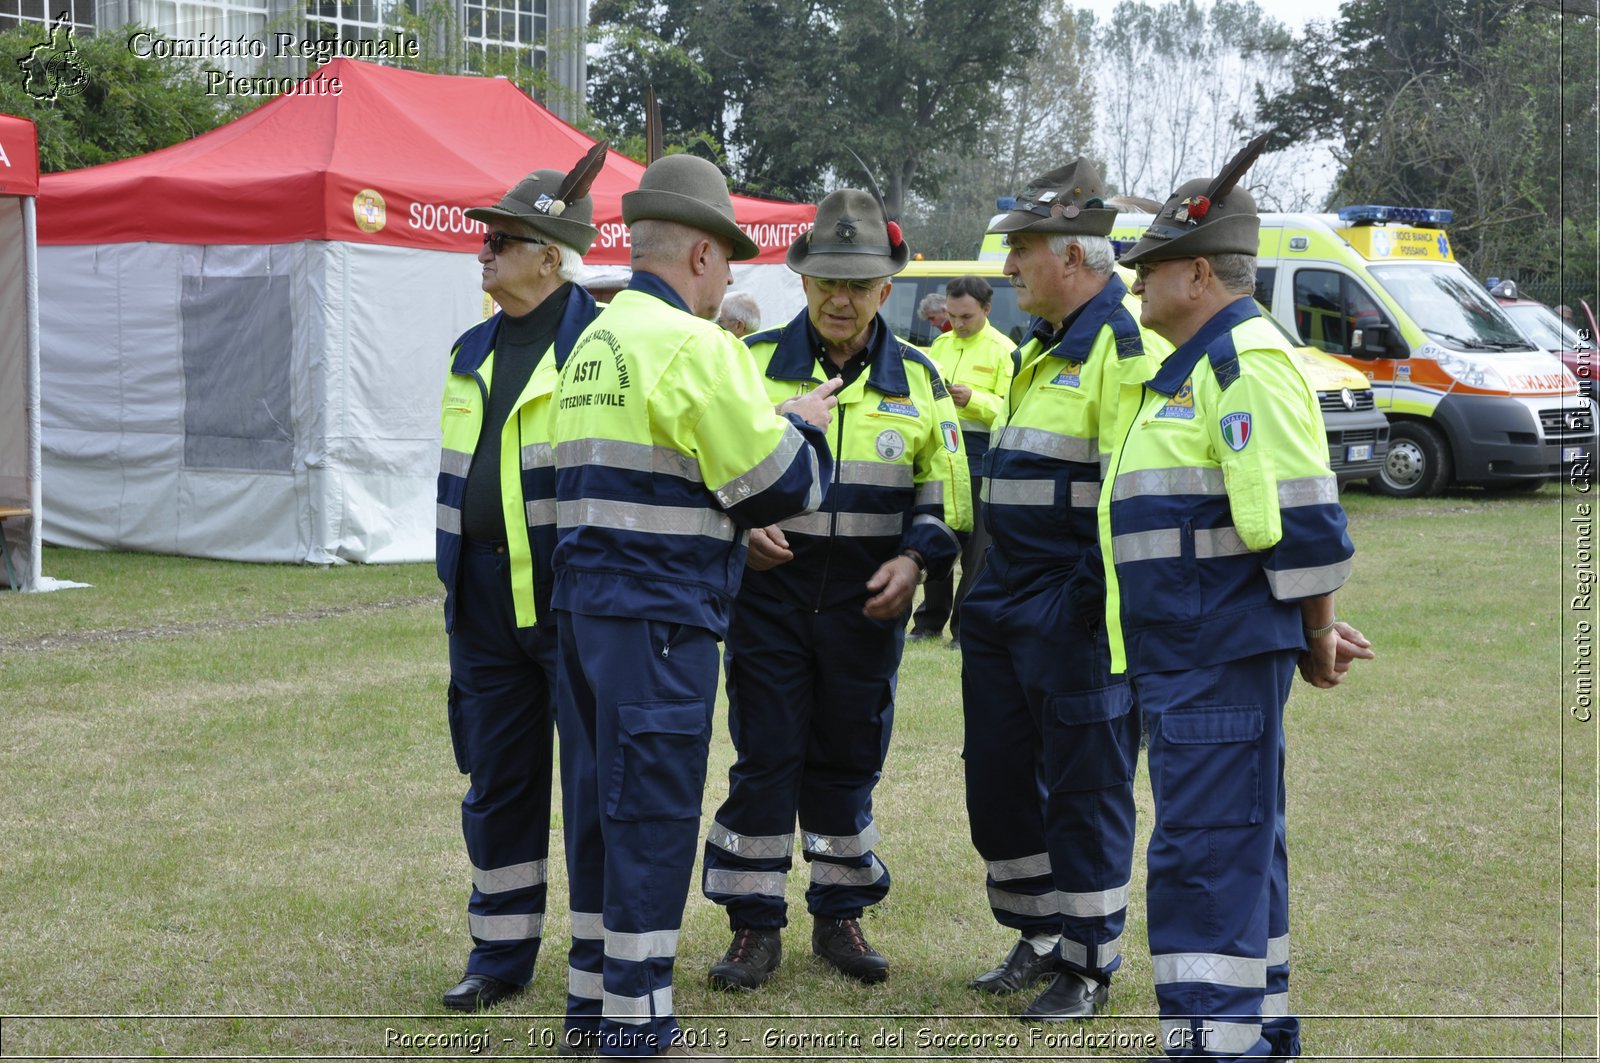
(841, 944)
(1065, 999)
(920, 633)
(1021, 969)
(750, 960)
(478, 992)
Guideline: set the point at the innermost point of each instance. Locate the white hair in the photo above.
(570, 267)
(1237, 272)
(1097, 254)
(741, 306)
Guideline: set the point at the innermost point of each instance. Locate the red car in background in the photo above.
(1571, 341)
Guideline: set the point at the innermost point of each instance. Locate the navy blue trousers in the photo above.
(502, 680)
(1052, 742)
(635, 719)
(1219, 866)
(810, 710)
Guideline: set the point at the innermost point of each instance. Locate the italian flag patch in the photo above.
(1236, 430)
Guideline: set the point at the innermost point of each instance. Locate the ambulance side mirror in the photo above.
(1373, 341)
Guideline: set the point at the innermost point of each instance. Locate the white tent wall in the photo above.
(19, 389)
(255, 402)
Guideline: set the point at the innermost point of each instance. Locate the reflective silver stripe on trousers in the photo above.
(541, 511)
(633, 457)
(1274, 1005)
(1168, 542)
(1211, 967)
(641, 517)
(738, 883)
(874, 473)
(931, 493)
(1226, 1039)
(1308, 491)
(754, 846)
(826, 874)
(768, 471)
(842, 845)
(505, 927)
(640, 947)
(636, 1011)
(1074, 952)
(1307, 582)
(1050, 444)
(939, 525)
(1089, 905)
(510, 877)
(852, 525)
(454, 462)
(1023, 903)
(1178, 480)
(1085, 495)
(1019, 492)
(1278, 951)
(538, 456)
(588, 926)
(589, 985)
(448, 518)
(1021, 867)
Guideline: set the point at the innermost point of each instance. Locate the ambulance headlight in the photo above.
(1473, 372)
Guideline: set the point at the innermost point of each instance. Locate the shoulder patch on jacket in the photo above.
(1130, 343)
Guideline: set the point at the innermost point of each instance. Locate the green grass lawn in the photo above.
(230, 827)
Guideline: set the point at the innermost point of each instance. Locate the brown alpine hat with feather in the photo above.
(553, 204)
(1206, 216)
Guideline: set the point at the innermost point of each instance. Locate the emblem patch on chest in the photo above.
(1181, 405)
(1068, 377)
(900, 404)
(891, 445)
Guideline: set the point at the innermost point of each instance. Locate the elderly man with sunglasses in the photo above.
(496, 532)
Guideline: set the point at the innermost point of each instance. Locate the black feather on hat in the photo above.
(1205, 217)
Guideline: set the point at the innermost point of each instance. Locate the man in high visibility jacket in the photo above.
(666, 449)
(819, 626)
(1052, 738)
(974, 358)
(1225, 542)
(496, 531)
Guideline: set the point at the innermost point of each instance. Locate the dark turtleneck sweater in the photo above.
(518, 346)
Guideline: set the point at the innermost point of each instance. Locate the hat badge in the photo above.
(845, 229)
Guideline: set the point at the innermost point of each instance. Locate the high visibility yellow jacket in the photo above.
(527, 469)
(900, 477)
(984, 363)
(1221, 512)
(1042, 477)
(666, 447)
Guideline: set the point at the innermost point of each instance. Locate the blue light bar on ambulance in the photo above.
(1369, 213)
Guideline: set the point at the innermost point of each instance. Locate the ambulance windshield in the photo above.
(1451, 308)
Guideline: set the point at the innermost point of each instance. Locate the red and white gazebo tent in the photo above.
(19, 351)
(244, 336)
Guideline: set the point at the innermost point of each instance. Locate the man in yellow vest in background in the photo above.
(975, 359)
(496, 532)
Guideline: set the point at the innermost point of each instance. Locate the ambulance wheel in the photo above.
(1418, 465)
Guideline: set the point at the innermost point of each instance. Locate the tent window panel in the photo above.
(236, 360)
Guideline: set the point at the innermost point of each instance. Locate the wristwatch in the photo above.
(922, 566)
(1318, 632)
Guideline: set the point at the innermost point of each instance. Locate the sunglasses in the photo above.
(496, 242)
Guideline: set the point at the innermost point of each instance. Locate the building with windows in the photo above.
(469, 36)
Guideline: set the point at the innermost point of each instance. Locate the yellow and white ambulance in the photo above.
(1469, 400)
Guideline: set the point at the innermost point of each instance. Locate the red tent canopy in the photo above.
(19, 157)
(361, 153)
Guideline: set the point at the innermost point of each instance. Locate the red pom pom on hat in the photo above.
(895, 239)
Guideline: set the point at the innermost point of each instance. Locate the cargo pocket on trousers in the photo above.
(1091, 728)
(458, 740)
(1212, 774)
(660, 766)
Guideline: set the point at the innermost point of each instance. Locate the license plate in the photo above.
(1572, 454)
(1361, 452)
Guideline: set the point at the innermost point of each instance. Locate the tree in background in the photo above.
(1484, 107)
(122, 106)
(788, 88)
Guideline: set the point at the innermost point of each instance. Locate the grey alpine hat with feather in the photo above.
(553, 204)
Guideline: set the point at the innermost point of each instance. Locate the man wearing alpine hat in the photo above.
(496, 531)
(819, 625)
(1225, 543)
(1052, 738)
(667, 450)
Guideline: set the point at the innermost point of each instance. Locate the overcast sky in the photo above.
(1292, 13)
